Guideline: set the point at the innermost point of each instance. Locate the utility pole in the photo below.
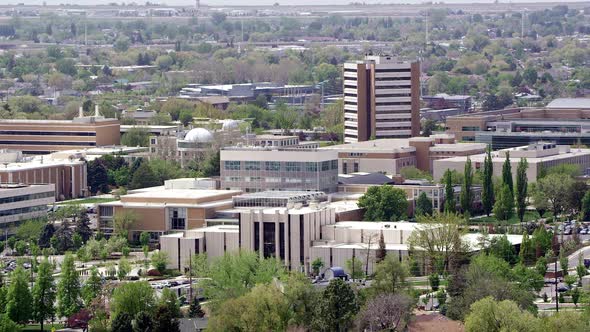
(556, 295)
(523, 13)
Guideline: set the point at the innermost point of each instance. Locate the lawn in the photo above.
(528, 216)
(46, 327)
(90, 200)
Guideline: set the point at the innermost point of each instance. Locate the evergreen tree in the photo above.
(504, 206)
(83, 226)
(466, 192)
(97, 177)
(526, 249)
(144, 177)
(423, 205)
(143, 322)
(121, 323)
(68, 288)
(507, 174)
(449, 192)
(195, 310)
(18, 299)
(164, 320)
(337, 307)
(585, 213)
(381, 252)
(44, 293)
(46, 234)
(487, 195)
(521, 188)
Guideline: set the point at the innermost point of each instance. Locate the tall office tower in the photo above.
(381, 99)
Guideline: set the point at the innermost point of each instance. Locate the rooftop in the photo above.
(181, 194)
(380, 145)
(458, 147)
(567, 103)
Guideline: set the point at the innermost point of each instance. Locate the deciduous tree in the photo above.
(44, 293)
(487, 194)
(68, 288)
(521, 188)
(18, 298)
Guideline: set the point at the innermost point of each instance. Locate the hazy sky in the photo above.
(261, 2)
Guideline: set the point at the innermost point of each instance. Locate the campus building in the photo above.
(45, 136)
(20, 202)
(389, 156)
(67, 172)
(279, 163)
(539, 156)
(381, 99)
(564, 121)
(172, 207)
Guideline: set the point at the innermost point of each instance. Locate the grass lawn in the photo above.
(46, 327)
(528, 216)
(90, 200)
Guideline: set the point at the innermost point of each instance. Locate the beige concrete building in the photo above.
(20, 202)
(381, 99)
(66, 171)
(45, 136)
(539, 155)
(270, 167)
(389, 156)
(159, 210)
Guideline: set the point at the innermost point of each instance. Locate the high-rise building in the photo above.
(381, 99)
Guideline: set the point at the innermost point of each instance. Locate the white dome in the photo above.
(199, 135)
(230, 125)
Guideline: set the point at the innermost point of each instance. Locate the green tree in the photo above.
(97, 177)
(492, 316)
(144, 238)
(123, 269)
(164, 320)
(423, 205)
(143, 322)
(487, 194)
(44, 293)
(195, 310)
(530, 75)
(521, 188)
(450, 204)
(7, 325)
(381, 251)
(160, 260)
(133, 298)
(123, 221)
(555, 188)
(585, 213)
(354, 267)
(18, 298)
(185, 117)
(434, 281)
(507, 174)
(136, 136)
(466, 191)
(526, 252)
(92, 286)
(501, 247)
(390, 275)
(504, 206)
(68, 288)
(384, 203)
(121, 323)
(144, 177)
(317, 265)
(170, 300)
(337, 307)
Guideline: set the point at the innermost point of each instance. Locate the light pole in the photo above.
(556, 295)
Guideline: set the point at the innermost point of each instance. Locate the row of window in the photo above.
(47, 133)
(399, 103)
(47, 143)
(27, 197)
(470, 128)
(397, 70)
(24, 210)
(275, 166)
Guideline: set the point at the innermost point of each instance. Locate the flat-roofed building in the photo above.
(293, 168)
(162, 209)
(45, 136)
(539, 155)
(381, 99)
(66, 171)
(389, 156)
(20, 202)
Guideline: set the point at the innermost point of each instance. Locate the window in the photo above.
(232, 165)
(325, 165)
(356, 167)
(470, 128)
(272, 166)
(106, 211)
(177, 218)
(252, 165)
(311, 167)
(335, 164)
(269, 239)
(293, 166)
